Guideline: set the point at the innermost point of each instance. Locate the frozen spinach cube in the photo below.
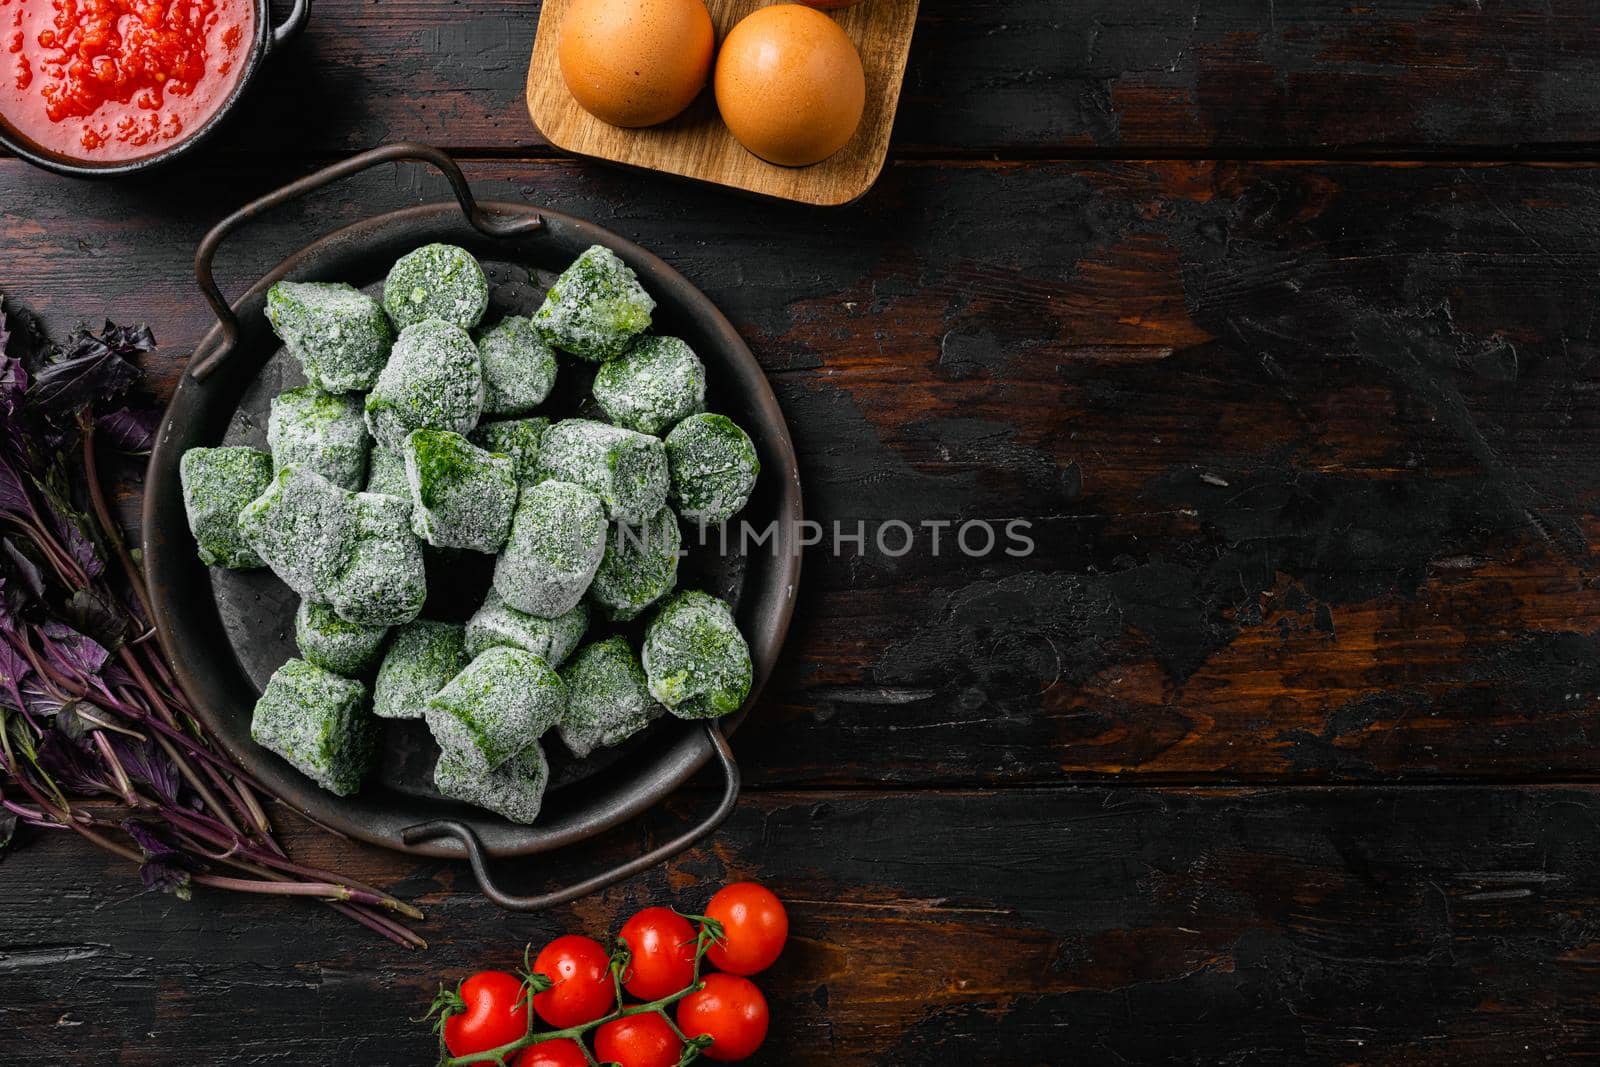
(640, 566)
(626, 470)
(384, 583)
(421, 660)
(320, 432)
(314, 719)
(517, 438)
(595, 308)
(327, 641)
(432, 381)
(339, 334)
(304, 527)
(519, 369)
(558, 535)
(498, 623)
(217, 484)
(462, 496)
(655, 384)
(515, 789)
(386, 473)
(695, 659)
(608, 699)
(500, 704)
(436, 281)
(714, 467)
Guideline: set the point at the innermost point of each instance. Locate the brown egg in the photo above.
(789, 84)
(635, 62)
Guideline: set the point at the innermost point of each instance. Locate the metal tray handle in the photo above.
(290, 27)
(489, 225)
(428, 831)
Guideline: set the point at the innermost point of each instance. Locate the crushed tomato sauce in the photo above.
(112, 80)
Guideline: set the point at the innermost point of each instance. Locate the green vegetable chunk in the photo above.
(320, 432)
(314, 719)
(515, 789)
(640, 566)
(421, 660)
(517, 438)
(608, 699)
(695, 658)
(432, 381)
(656, 383)
(384, 582)
(595, 308)
(339, 334)
(626, 470)
(218, 483)
(463, 496)
(436, 282)
(304, 528)
(498, 623)
(519, 369)
(558, 535)
(329, 642)
(386, 473)
(500, 704)
(714, 468)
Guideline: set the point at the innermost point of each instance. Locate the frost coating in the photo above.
(384, 582)
(422, 659)
(695, 658)
(713, 466)
(498, 623)
(626, 470)
(304, 528)
(386, 473)
(557, 538)
(314, 719)
(217, 484)
(329, 642)
(517, 438)
(500, 704)
(656, 383)
(608, 700)
(436, 281)
(320, 432)
(595, 308)
(432, 381)
(640, 566)
(519, 369)
(339, 334)
(515, 789)
(462, 496)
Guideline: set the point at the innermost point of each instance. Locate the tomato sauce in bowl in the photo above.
(109, 81)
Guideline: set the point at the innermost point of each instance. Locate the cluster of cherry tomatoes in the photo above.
(645, 1002)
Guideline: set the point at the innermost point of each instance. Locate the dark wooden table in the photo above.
(1278, 323)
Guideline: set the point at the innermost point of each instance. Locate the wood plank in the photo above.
(1311, 452)
(1026, 928)
(1017, 76)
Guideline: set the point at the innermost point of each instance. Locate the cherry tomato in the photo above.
(495, 1014)
(661, 944)
(731, 1010)
(638, 1041)
(562, 1052)
(754, 928)
(581, 991)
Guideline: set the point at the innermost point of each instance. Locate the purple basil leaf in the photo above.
(8, 830)
(94, 613)
(68, 647)
(14, 670)
(14, 498)
(81, 548)
(25, 573)
(37, 700)
(148, 766)
(128, 429)
(165, 867)
(72, 764)
(91, 368)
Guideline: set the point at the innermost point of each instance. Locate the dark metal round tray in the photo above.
(226, 631)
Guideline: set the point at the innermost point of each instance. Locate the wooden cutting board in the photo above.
(697, 145)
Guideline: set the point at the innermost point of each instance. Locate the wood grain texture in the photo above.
(1310, 452)
(697, 145)
(1030, 928)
